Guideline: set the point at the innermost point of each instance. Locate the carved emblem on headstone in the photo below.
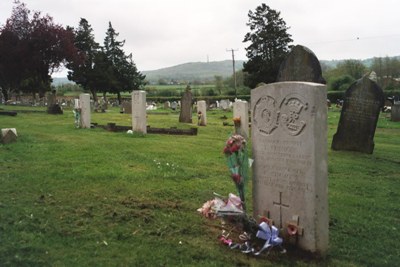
(292, 118)
(266, 115)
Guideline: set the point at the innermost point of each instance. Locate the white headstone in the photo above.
(84, 102)
(202, 107)
(241, 111)
(289, 142)
(139, 121)
(224, 104)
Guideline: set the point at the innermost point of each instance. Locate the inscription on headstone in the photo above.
(359, 117)
(289, 132)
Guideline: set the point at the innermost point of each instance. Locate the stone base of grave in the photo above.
(55, 109)
(8, 135)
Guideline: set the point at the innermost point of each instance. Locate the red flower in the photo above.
(236, 178)
(234, 148)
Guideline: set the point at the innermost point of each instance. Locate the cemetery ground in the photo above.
(89, 197)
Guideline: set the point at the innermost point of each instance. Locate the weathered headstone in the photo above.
(290, 185)
(127, 107)
(52, 106)
(395, 112)
(202, 112)
(186, 107)
(301, 65)
(8, 135)
(167, 105)
(174, 105)
(84, 103)
(360, 112)
(225, 104)
(241, 117)
(139, 120)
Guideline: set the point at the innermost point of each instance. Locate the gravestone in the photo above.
(290, 185)
(167, 104)
(225, 104)
(301, 65)
(174, 105)
(84, 104)
(52, 106)
(395, 112)
(202, 112)
(360, 112)
(186, 107)
(139, 121)
(127, 107)
(8, 135)
(241, 111)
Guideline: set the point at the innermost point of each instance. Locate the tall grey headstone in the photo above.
(301, 65)
(202, 109)
(139, 121)
(186, 107)
(84, 102)
(289, 134)
(241, 111)
(359, 117)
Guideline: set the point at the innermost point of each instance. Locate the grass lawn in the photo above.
(80, 197)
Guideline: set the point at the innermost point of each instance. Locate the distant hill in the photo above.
(60, 80)
(194, 71)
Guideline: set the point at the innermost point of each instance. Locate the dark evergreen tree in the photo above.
(82, 70)
(123, 74)
(269, 45)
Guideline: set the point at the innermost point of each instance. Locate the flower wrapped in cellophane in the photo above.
(238, 163)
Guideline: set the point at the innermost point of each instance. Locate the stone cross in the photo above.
(290, 177)
(139, 121)
(84, 102)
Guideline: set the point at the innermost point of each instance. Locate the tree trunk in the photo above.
(119, 98)
(94, 94)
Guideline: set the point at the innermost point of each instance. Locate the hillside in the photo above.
(194, 71)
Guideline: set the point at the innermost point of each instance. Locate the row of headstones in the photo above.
(139, 120)
(289, 135)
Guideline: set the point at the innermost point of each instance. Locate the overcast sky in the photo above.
(164, 33)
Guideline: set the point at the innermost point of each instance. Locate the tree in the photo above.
(123, 74)
(354, 68)
(269, 45)
(39, 47)
(82, 70)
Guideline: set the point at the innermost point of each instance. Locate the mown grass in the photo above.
(79, 197)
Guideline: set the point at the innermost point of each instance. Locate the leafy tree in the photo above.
(354, 68)
(342, 83)
(39, 47)
(123, 74)
(269, 45)
(82, 69)
(219, 83)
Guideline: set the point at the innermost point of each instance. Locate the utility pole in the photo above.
(234, 71)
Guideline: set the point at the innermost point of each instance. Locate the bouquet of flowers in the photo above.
(236, 153)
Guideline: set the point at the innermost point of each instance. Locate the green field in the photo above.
(80, 197)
